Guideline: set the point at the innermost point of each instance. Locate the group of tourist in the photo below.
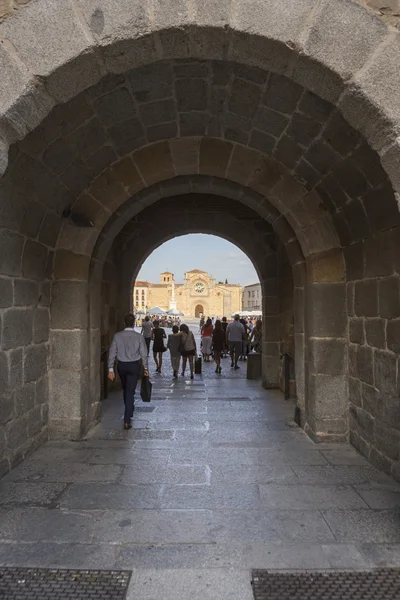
(217, 340)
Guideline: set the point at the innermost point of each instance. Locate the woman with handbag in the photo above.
(158, 336)
(188, 349)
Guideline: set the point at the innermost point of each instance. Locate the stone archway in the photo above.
(316, 169)
(199, 311)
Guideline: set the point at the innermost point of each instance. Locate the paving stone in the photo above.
(339, 475)
(104, 496)
(156, 527)
(254, 526)
(303, 497)
(58, 555)
(234, 496)
(39, 494)
(381, 555)
(173, 475)
(31, 524)
(32, 470)
(364, 525)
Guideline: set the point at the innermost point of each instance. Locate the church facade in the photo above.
(198, 295)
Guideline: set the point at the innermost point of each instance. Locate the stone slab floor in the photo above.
(213, 482)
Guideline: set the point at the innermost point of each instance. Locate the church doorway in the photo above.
(199, 311)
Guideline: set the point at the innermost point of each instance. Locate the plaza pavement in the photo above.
(213, 482)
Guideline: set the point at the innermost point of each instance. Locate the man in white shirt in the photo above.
(235, 334)
(147, 328)
(130, 350)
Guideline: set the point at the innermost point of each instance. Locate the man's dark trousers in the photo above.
(129, 373)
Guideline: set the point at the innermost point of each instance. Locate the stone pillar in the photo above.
(326, 327)
(69, 374)
(271, 333)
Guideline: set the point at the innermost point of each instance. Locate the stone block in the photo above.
(6, 293)
(152, 82)
(50, 230)
(16, 432)
(326, 267)
(328, 394)
(361, 422)
(7, 408)
(69, 350)
(372, 401)
(185, 155)
(381, 207)
(69, 307)
(356, 331)
(380, 461)
(262, 141)
(68, 265)
(24, 399)
(68, 395)
(387, 440)
(321, 157)
(42, 390)
(328, 357)
(16, 365)
(254, 366)
(26, 292)
(4, 373)
(35, 362)
(64, 52)
(359, 443)
(375, 333)
(288, 152)
(191, 94)
(11, 247)
(17, 328)
(214, 157)
(34, 260)
(365, 364)
(326, 308)
(389, 297)
(385, 365)
(355, 391)
(340, 135)
(163, 131)
(41, 325)
(44, 293)
(154, 162)
(160, 111)
(35, 421)
(379, 259)
(272, 329)
(393, 335)
(333, 42)
(366, 298)
(350, 299)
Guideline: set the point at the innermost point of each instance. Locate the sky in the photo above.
(221, 259)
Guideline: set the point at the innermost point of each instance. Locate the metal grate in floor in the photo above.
(379, 584)
(59, 584)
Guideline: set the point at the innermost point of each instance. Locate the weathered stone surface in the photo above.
(41, 325)
(356, 331)
(34, 260)
(49, 230)
(16, 365)
(69, 306)
(327, 357)
(17, 328)
(385, 374)
(65, 388)
(35, 362)
(11, 247)
(329, 393)
(375, 333)
(327, 309)
(6, 292)
(25, 292)
(69, 350)
(393, 335)
(64, 42)
(25, 399)
(366, 298)
(389, 297)
(365, 365)
(68, 265)
(355, 391)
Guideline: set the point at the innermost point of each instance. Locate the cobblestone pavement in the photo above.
(213, 482)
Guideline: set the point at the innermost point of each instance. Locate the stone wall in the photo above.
(373, 291)
(286, 301)
(24, 350)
